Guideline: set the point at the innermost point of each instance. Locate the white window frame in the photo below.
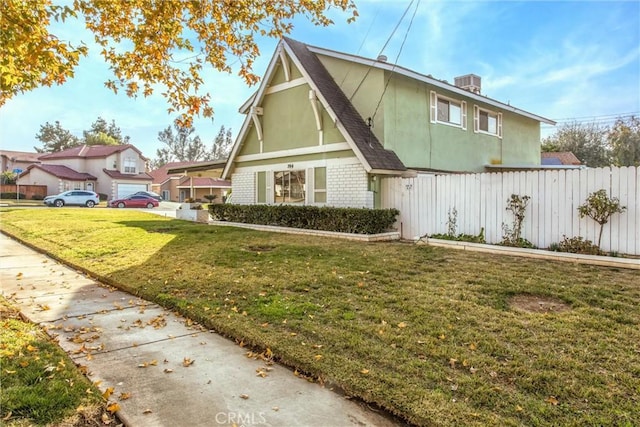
(476, 121)
(128, 161)
(434, 110)
(288, 172)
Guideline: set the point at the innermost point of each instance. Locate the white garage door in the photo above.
(125, 190)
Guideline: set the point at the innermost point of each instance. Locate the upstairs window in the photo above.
(130, 165)
(486, 121)
(448, 111)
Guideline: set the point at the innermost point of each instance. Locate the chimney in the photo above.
(469, 82)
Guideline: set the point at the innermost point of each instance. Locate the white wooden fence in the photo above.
(480, 199)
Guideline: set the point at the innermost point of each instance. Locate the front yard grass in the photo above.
(40, 383)
(427, 333)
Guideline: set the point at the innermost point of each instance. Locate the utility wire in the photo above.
(396, 61)
(381, 50)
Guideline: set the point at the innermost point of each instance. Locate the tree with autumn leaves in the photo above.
(148, 44)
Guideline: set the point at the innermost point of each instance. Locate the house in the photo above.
(178, 181)
(560, 158)
(326, 127)
(17, 161)
(113, 170)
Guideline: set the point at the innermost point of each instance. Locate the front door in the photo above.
(89, 186)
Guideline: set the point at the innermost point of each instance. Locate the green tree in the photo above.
(600, 207)
(55, 138)
(148, 43)
(586, 141)
(103, 133)
(180, 146)
(624, 140)
(8, 177)
(221, 144)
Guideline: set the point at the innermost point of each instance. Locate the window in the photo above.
(165, 194)
(485, 121)
(289, 187)
(448, 111)
(129, 165)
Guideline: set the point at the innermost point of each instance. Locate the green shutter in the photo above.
(320, 185)
(261, 185)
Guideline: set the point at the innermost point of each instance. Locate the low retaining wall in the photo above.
(393, 235)
(606, 261)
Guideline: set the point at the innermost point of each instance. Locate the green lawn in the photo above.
(427, 333)
(40, 383)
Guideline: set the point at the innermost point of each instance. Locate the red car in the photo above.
(134, 201)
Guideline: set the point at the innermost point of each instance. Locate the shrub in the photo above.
(512, 236)
(344, 220)
(103, 197)
(462, 237)
(12, 195)
(576, 245)
(37, 197)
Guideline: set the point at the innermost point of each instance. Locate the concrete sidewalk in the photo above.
(176, 373)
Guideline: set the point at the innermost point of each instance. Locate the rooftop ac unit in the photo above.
(469, 82)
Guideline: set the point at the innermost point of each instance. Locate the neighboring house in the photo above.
(560, 158)
(113, 170)
(325, 127)
(17, 160)
(178, 181)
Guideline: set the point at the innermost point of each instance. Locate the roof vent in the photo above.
(469, 82)
(382, 58)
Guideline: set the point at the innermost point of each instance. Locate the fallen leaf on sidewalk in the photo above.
(244, 396)
(187, 362)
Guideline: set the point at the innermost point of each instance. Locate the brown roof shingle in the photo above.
(89, 151)
(366, 142)
(62, 172)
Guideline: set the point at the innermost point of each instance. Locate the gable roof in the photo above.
(62, 172)
(199, 166)
(20, 156)
(162, 174)
(365, 141)
(559, 158)
(90, 151)
(366, 146)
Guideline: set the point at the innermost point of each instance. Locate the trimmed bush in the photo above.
(343, 220)
(103, 197)
(37, 197)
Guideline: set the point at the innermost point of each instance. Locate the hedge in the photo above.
(12, 196)
(344, 220)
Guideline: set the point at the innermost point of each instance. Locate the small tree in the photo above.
(512, 235)
(600, 207)
(8, 177)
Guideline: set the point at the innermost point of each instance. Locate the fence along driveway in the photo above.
(480, 199)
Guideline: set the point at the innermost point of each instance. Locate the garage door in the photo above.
(126, 189)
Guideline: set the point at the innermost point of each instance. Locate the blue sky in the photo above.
(562, 60)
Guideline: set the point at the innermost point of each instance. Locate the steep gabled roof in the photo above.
(365, 141)
(362, 141)
(62, 172)
(90, 151)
